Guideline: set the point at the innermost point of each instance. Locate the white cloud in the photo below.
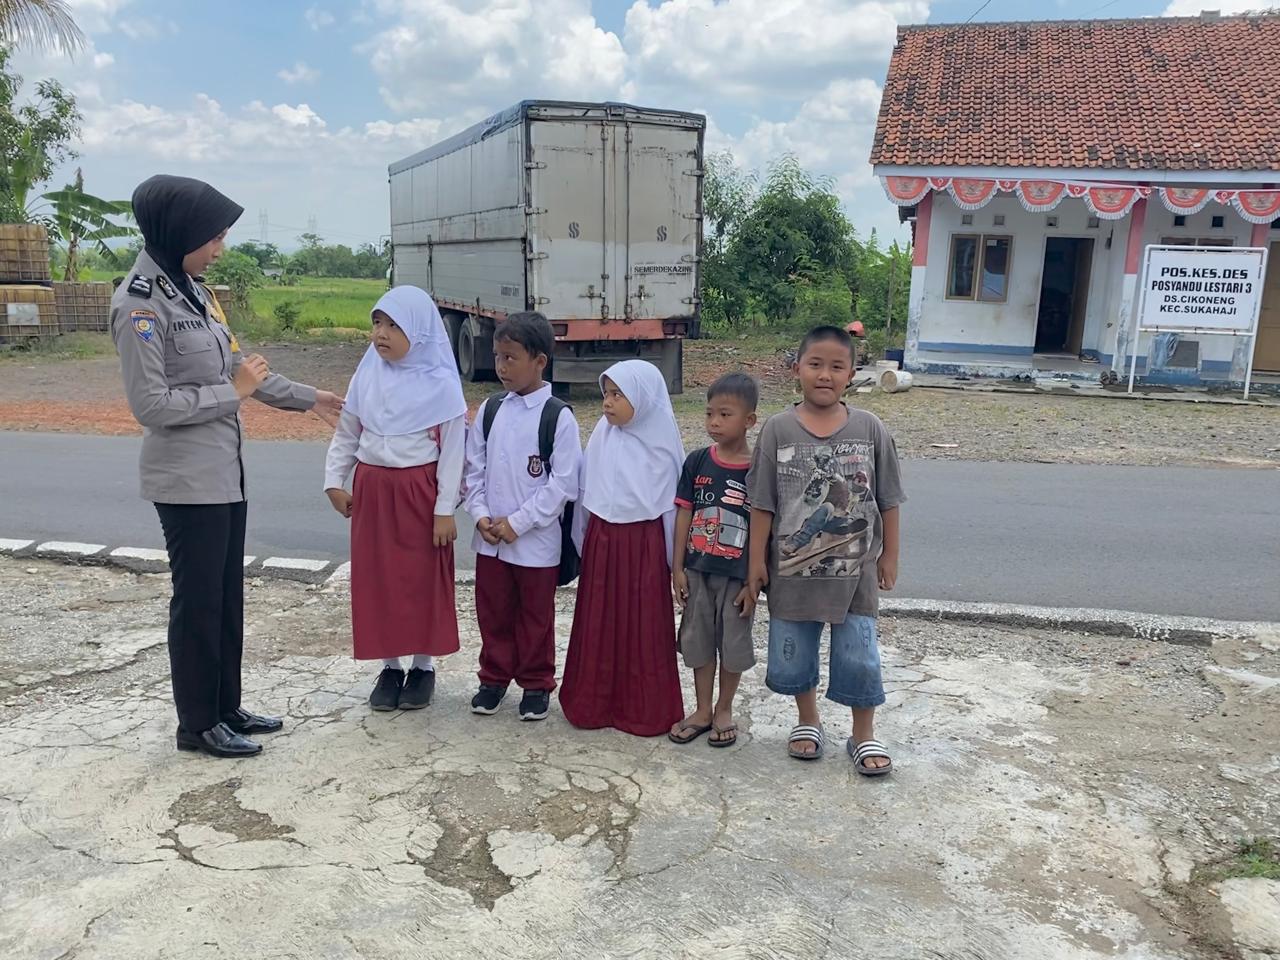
(831, 134)
(318, 19)
(97, 16)
(449, 55)
(145, 28)
(301, 73)
(748, 48)
(280, 134)
(1193, 8)
(103, 60)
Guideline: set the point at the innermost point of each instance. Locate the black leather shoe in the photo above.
(219, 741)
(251, 724)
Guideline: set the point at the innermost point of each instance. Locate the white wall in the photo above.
(1012, 324)
(980, 326)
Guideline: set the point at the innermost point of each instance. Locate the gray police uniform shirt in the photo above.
(178, 365)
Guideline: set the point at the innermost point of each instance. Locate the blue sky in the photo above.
(295, 108)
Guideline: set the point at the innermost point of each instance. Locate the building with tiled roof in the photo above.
(1039, 161)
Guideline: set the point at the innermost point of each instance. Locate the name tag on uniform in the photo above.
(144, 324)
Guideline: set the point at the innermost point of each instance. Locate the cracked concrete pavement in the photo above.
(1056, 795)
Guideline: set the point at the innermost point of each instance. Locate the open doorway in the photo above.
(1064, 295)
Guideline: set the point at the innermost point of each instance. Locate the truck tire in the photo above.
(453, 323)
(468, 361)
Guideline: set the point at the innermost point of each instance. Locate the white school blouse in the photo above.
(352, 443)
(505, 478)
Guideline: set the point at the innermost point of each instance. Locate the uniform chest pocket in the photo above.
(188, 342)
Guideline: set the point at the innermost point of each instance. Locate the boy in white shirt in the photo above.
(517, 500)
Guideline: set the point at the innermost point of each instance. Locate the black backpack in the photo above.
(570, 562)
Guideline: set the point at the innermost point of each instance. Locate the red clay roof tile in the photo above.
(1160, 93)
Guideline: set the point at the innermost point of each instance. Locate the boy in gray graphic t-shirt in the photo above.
(825, 492)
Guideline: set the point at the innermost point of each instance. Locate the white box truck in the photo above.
(588, 212)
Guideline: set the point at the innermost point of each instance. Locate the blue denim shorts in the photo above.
(855, 660)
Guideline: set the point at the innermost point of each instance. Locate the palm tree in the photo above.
(43, 23)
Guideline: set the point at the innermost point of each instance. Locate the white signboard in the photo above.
(1202, 289)
(23, 314)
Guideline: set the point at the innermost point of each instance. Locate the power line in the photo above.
(979, 10)
(1103, 7)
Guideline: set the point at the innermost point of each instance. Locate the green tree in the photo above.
(42, 23)
(81, 219)
(266, 255)
(794, 234)
(238, 271)
(727, 195)
(35, 137)
(882, 285)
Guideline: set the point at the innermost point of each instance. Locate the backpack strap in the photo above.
(547, 428)
(490, 412)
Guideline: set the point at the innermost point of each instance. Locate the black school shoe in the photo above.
(386, 692)
(535, 704)
(218, 741)
(487, 699)
(251, 724)
(418, 688)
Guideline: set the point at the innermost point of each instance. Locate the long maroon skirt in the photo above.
(621, 667)
(402, 599)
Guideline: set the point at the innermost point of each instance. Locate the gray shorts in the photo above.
(711, 624)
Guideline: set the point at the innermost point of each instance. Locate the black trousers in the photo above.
(206, 615)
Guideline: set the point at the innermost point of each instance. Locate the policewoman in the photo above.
(186, 379)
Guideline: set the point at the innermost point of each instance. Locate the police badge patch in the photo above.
(535, 466)
(144, 324)
(167, 288)
(140, 286)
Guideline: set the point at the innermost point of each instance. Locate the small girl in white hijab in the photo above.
(403, 430)
(621, 669)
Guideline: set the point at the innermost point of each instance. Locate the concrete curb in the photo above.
(1119, 623)
(147, 560)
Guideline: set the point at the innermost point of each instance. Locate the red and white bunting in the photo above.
(1257, 206)
(1108, 201)
(1113, 203)
(1038, 196)
(970, 193)
(1185, 200)
(906, 191)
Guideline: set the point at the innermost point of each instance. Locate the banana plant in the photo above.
(77, 219)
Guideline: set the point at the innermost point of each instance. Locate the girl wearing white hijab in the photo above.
(621, 667)
(403, 431)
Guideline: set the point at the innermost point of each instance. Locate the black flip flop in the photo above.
(731, 728)
(697, 730)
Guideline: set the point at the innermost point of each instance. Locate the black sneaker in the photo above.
(488, 698)
(386, 692)
(535, 704)
(418, 688)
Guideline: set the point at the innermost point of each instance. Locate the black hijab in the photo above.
(179, 215)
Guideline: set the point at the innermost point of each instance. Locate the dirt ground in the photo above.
(85, 396)
(1056, 796)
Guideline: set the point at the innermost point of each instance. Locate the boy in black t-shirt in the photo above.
(709, 569)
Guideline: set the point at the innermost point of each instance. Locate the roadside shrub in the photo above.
(287, 312)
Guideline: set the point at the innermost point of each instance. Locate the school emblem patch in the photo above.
(144, 324)
(535, 466)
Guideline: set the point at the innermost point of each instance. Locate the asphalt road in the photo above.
(1170, 540)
